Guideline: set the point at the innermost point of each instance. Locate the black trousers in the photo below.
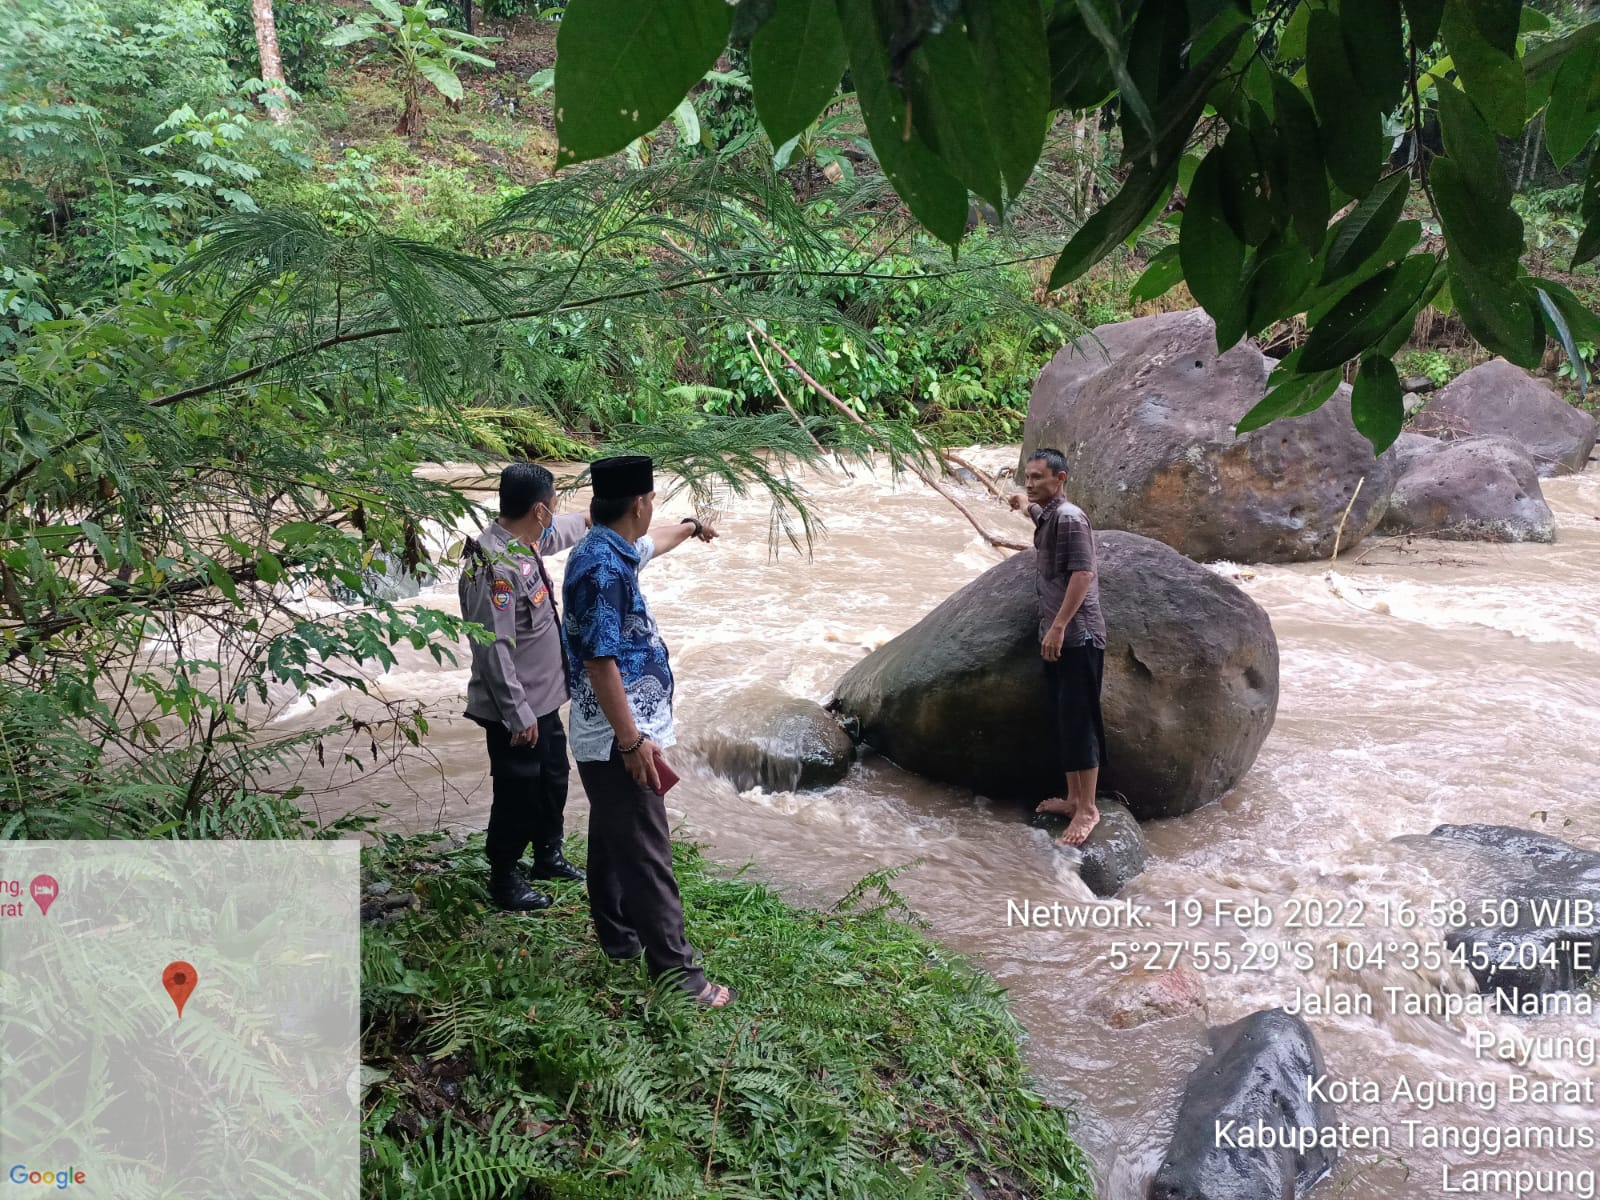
(633, 894)
(1074, 686)
(530, 792)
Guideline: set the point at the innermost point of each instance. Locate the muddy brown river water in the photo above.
(1421, 683)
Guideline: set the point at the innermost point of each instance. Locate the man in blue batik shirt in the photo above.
(621, 684)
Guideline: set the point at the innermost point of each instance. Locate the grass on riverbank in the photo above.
(860, 1060)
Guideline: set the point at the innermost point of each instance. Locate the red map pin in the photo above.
(179, 979)
(44, 889)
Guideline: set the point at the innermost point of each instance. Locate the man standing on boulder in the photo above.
(622, 688)
(1072, 635)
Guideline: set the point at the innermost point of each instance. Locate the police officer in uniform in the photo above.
(519, 681)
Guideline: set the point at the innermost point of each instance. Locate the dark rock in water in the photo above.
(1146, 421)
(1255, 1078)
(1115, 851)
(1500, 399)
(1481, 489)
(1191, 684)
(1535, 927)
(778, 742)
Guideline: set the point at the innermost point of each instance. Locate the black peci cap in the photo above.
(623, 477)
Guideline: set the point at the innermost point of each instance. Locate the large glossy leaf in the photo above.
(1471, 144)
(1560, 329)
(1482, 37)
(1574, 111)
(980, 95)
(622, 66)
(1488, 235)
(1013, 55)
(1499, 313)
(1422, 17)
(1300, 180)
(1080, 72)
(1164, 271)
(1589, 209)
(1295, 396)
(1279, 280)
(949, 109)
(1108, 227)
(1365, 227)
(442, 78)
(1349, 122)
(1246, 185)
(1376, 47)
(935, 196)
(1377, 405)
(1402, 240)
(1103, 20)
(1366, 314)
(1212, 253)
(796, 60)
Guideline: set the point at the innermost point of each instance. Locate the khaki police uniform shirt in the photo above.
(520, 676)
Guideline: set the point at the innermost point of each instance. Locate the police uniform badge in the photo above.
(500, 595)
(527, 569)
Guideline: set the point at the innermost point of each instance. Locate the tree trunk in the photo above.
(271, 62)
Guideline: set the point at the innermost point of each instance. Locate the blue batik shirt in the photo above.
(607, 617)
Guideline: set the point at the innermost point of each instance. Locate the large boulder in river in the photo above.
(1533, 908)
(1146, 421)
(779, 742)
(1190, 692)
(1254, 1082)
(1481, 489)
(1500, 399)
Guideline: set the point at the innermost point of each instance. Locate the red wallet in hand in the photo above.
(665, 775)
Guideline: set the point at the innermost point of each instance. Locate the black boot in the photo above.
(550, 863)
(510, 891)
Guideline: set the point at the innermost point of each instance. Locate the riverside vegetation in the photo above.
(227, 344)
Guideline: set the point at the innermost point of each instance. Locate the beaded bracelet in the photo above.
(630, 749)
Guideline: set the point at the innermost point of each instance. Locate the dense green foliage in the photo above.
(301, 28)
(861, 1059)
(1268, 117)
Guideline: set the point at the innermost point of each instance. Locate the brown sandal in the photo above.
(715, 995)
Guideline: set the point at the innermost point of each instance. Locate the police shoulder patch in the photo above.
(500, 594)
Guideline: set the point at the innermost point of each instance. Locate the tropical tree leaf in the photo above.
(1561, 330)
(1295, 396)
(1163, 273)
(1377, 405)
(1212, 253)
(1589, 209)
(1377, 52)
(935, 195)
(622, 66)
(1366, 226)
(1131, 207)
(797, 58)
(1349, 121)
(1574, 110)
(1423, 17)
(441, 76)
(1482, 37)
(1302, 182)
(1366, 313)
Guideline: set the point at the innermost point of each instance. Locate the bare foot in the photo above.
(1054, 805)
(1081, 826)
